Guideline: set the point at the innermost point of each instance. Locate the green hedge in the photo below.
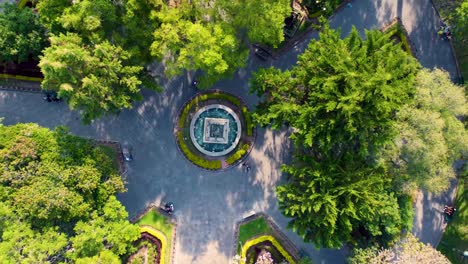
(238, 154)
(213, 164)
(20, 77)
(248, 121)
(207, 164)
(397, 30)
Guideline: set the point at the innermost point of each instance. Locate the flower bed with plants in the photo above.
(156, 241)
(149, 250)
(183, 131)
(259, 239)
(252, 249)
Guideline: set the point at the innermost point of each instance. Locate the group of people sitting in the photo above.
(449, 210)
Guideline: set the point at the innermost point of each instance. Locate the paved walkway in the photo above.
(208, 204)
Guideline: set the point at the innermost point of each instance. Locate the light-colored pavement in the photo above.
(208, 204)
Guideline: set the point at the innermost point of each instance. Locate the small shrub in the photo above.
(406, 212)
(238, 154)
(207, 164)
(273, 241)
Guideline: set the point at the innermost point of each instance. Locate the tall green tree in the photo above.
(431, 137)
(332, 202)
(94, 79)
(262, 19)
(187, 41)
(57, 199)
(342, 94)
(22, 36)
(340, 100)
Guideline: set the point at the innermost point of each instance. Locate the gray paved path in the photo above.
(208, 204)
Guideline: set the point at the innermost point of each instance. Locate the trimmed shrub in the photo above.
(204, 163)
(238, 154)
(275, 243)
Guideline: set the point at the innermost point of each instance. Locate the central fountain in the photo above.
(215, 130)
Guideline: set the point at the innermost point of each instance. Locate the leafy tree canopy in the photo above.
(332, 202)
(94, 79)
(340, 100)
(57, 191)
(430, 136)
(408, 250)
(262, 19)
(22, 36)
(342, 94)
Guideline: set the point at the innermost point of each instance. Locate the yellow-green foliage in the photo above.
(275, 243)
(248, 121)
(204, 163)
(157, 234)
(20, 77)
(22, 3)
(238, 154)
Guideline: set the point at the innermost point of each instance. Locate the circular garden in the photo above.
(214, 130)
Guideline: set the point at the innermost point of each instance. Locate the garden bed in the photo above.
(253, 248)
(258, 232)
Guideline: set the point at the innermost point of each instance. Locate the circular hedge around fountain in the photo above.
(214, 130)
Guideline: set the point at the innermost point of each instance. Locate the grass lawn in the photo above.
(455, 239)
(250, 229)
(112, 154)
(161, 223)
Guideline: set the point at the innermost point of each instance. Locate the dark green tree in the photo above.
(340, 100)
(22, 36)
(342, 94)
(186, 40)
(94, 79)
(332, 202)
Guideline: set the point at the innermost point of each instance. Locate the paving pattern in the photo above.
(208, 204)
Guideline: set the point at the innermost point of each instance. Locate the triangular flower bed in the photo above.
(155, 245)
(259, 238)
